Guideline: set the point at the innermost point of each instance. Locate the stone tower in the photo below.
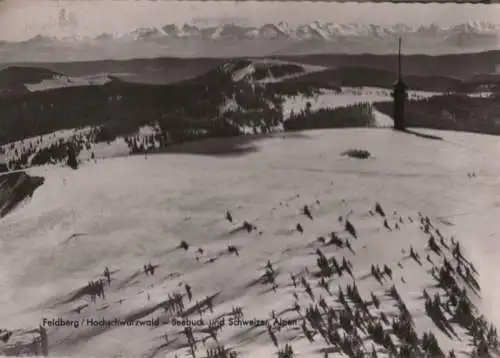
(399, 95)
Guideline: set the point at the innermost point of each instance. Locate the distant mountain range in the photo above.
(231, 40)
(315, 30)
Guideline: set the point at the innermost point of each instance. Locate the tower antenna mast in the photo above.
(399, 59)
(399, 94)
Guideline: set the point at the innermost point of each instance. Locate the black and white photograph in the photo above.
(249, 179)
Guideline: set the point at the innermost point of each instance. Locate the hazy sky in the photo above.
(21, 19)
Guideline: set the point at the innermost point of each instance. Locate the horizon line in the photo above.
(2, 64)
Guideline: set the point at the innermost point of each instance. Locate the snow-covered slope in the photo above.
(323, 99)
(267, 70)
(347, 97)
(127, 212)
(21, 79)
(65, 81)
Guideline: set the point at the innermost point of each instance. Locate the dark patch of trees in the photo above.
(126, 106)
(358, 115)
(354, 76)
(13, 78)
(453, 65)
(107, 133)
(120, 108)
(451, 112)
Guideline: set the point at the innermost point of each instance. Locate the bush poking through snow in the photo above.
(221, 352)
(183, 245)
(357, 153)
(286, 352)
(72, 157)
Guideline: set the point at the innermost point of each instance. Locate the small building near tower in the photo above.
(399, 95)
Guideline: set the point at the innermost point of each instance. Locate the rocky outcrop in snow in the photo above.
(14, 188)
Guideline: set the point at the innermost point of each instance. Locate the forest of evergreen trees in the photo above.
(451, 112)
(357, 115)
(194, 110)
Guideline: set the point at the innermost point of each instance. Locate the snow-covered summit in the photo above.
(80, 221)
(238, 40)
(328, 31)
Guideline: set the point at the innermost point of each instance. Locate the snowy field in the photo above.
(130, 211)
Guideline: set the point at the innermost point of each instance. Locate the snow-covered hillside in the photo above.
(325, 99)
(23, 79)
(329, 99)
(347, 97)
(267, 70)
(131, 211)
(65, 81)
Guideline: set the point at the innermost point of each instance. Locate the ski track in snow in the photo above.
(126, 212)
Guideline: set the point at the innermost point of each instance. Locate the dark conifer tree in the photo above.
(72, 160)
